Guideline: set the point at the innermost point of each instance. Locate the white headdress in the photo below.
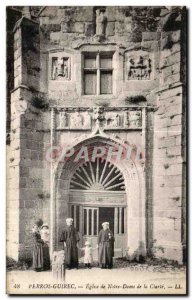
(69, 221)
(105, 223)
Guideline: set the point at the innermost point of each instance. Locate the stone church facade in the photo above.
(88, 79)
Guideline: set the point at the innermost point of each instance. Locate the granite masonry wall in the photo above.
(153, 33)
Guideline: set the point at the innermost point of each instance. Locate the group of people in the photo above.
(41, 256)
(70, 239)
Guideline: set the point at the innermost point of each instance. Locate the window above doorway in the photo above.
(98, 73)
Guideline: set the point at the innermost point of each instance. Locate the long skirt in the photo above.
(71, 257)
(46, 257)
(105, 254)
(38, 256)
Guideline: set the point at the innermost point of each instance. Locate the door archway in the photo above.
(97, 194)
(132, 194)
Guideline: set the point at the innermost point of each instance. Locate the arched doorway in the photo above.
(97, 194)
(128, 197)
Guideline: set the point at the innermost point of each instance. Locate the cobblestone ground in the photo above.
(124, 278)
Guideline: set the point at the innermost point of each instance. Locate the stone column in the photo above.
(25, 153)
(169, 201)
(26, 54)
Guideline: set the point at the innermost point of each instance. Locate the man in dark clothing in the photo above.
(106, 247)
(70, 239)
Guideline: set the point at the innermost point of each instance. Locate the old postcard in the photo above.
(96, 150)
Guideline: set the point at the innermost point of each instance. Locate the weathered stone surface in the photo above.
(149, 36)
(119, 28)
(78, 27)
(89, 29)
(172, 78)
(110, 30)
(128, 30)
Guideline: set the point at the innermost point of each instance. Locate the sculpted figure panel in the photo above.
(60, 68)
(139, 66)
(63, 118)
(76, 120)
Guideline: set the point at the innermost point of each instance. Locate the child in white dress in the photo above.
(88, 254)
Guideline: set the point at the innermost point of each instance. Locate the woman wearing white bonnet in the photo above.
(70, 238)
(106, 247)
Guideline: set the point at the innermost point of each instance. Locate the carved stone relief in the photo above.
(138, 66)
(86, 120)
(76, 120)
(60, 68)
(63, 119)
(114, 120)
(132, 119)
(105, 120)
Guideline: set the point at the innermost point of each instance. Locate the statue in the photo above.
(100, 23)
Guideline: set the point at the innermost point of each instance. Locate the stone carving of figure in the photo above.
(87, 120)
(114, 120)
(134, 119)
(54, 70)
(63, 119)
(117, 120)
(139, 68)
(148, 69)
(130, 68)
(60, 66)
(98, 115)
(100, 22)
(76, 120)
(126, 119)
(65, 69)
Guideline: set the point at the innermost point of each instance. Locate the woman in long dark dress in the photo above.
(45, 238)
(106, 247)
(70, 239)
(37, 250)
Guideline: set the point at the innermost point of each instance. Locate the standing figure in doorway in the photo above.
(106, 247)
(70, 239)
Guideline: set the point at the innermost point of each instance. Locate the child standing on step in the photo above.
(88, 255)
